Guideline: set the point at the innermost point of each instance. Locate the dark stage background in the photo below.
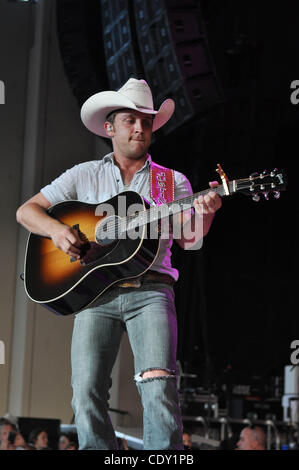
(236, 297)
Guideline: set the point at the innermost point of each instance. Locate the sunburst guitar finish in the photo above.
(65, 285)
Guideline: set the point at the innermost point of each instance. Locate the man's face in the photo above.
(132, 132)
(5, 432)
(42, 440)
(63, 442)
(19, 440)
(187, 440)
(247, 440)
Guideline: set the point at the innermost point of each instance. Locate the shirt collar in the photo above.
(147, 164)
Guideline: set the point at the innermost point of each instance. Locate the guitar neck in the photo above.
(155, 213)
(186, 203)
(256, 185)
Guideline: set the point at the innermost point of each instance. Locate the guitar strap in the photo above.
(161, 184)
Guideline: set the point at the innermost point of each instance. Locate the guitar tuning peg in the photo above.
(266, 196)
(276, 194)
(256, 198)
(263, 174)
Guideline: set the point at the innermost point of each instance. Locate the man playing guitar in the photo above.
(144, 307)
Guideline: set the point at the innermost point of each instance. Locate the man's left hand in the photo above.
(210, 203)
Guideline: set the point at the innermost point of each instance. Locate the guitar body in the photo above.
(67, 286)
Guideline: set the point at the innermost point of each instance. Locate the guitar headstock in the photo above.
(262, 184)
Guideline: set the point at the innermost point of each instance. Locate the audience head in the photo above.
(6, 427)
(68, 441)
(252, 438)
(73, 445)
(64, 441)
(187, 439)
(39, 439)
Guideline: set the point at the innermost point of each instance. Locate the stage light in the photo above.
(23, 1)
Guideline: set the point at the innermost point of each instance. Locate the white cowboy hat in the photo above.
(134, 94)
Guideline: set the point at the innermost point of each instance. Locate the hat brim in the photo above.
(95, 110)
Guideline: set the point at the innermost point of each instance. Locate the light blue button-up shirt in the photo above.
(96, 181)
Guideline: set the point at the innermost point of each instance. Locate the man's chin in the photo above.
(138, 155)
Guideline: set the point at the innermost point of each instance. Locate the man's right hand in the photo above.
(67, 239)
(33, 216)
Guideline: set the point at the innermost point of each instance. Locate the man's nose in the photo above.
(139, 125)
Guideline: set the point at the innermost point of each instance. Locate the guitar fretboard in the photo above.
(155, 213)
(255, 185)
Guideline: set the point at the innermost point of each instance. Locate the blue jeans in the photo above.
(148, 314)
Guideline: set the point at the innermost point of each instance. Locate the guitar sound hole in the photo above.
(108, 230)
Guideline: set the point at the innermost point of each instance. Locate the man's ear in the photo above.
(109, 129)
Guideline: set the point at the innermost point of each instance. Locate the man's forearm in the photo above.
(35, 219)
(33, 216)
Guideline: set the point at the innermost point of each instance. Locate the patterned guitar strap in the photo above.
(161, 191)
(161, 184)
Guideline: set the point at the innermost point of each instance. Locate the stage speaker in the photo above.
(80, 40)
(105, 42)
(176, 57)
(119, 45)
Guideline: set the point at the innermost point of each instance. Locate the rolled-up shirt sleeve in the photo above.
(63, 187)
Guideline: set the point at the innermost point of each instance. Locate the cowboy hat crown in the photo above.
(134, 94)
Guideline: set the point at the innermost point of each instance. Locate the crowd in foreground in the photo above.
(250, 438)
(12, 439)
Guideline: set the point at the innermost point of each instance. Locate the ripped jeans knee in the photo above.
(161, 411)
(155, 373)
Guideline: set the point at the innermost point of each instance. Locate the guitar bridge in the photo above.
(84, 247)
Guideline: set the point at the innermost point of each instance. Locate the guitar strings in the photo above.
(110, 232)
(145, 214)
